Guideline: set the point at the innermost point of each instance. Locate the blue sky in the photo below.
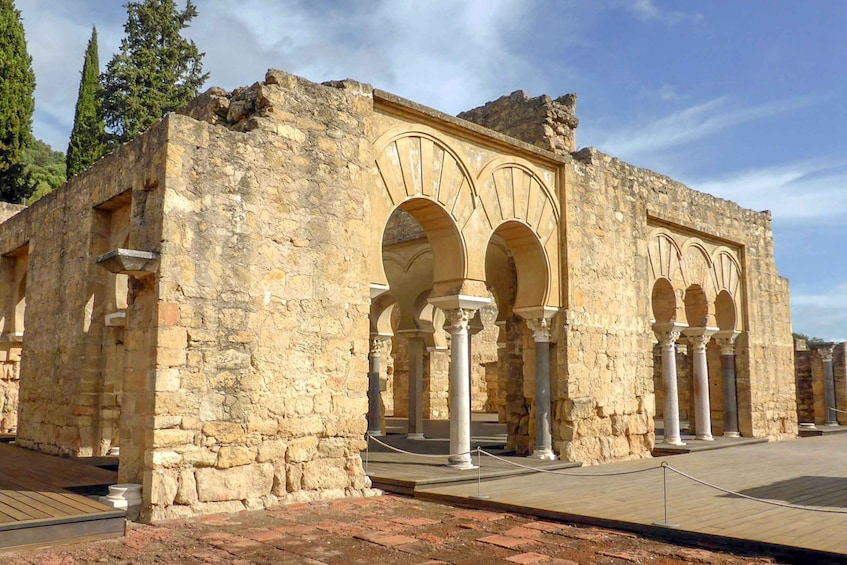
(743, 99)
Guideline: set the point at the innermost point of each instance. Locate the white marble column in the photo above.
(540, 328)
(828, 385)
(726, 341)
(699, 339)
(668, 334)
(458, 311)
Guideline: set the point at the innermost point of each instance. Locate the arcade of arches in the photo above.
(230, 302)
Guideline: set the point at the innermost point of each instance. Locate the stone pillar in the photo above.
(726, 341)
(374, 400)
(699, 339)
(667, 334)
(828, 386)
(416, 370)
(543, 440)
(458, 311)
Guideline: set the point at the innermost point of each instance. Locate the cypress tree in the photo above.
(17, 84)
(157, 70)
(87, 142)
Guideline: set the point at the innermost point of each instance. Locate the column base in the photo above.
(375, 433)
(545, 454)
(705, 437)
(415, 436)
(833, 424)
(673, 441)
(731, 434)
(461, 465)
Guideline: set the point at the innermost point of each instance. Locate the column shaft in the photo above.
(543, 438)
(416, 369)
(702, 407)
(670, 413)
(730, 396)
(828, 386)
(460, 407)
(374, 400)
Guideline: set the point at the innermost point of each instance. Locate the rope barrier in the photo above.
(664, 466)
(756, 499)
(837, 410)
(557, 472)
(403, 451)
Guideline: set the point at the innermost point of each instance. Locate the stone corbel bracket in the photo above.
(130, 262)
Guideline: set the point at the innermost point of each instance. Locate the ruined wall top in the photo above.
(541, 121)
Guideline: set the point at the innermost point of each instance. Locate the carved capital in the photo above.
(727, 345)
(457, 319)
(699, 342)
(826, 354)
(540, 328)
(377, 343)
(667, 338)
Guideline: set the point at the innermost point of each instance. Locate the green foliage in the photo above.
(157, 70)
(88, 137)
(17, 83)
(44, 169)
(809, 340)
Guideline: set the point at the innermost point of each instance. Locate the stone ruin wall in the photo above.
(262, 373)
(64, 406)
(809, 378)
(604, 398)
(9, 355)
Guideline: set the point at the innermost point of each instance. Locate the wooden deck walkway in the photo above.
(809, 472)
(36, 508)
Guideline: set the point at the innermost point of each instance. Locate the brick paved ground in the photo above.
(373, 531)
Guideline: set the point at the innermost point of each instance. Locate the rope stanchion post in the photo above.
(665, 523)
(479, 495)
(367, 450)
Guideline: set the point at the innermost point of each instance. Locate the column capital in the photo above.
(668, 332)
(540, 328)
(539, 319)
(726, 341)
(825, 353)
(699, 337)
(377, 341)
(377, 289)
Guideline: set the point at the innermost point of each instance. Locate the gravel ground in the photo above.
(373, 531)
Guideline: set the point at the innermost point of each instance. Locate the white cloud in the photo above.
(687, 126)
(646, 10)
(806, 190)
(822, 314)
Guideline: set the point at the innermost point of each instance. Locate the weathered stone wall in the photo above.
(55, 243)
(541, 121)
(262, 367)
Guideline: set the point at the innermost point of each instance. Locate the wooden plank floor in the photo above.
(36, 508)
(810, 472)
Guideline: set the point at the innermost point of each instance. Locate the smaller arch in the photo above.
(725, 314)
(698, 308)
(664, 302)
(382, 313)
(531, 263)
(665, 258)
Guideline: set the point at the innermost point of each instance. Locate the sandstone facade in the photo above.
(226, 353)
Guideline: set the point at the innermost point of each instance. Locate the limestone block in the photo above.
(236, 483)
(233, 456)
(271, 450)
(187, 491)
(322, 474)
(163, 487)
(199, 457)
(293, 477)
(579, 408)
(171, 438)
(301, 449)
(224, 432)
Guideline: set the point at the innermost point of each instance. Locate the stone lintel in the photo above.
(459, 302)
(130, 262)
